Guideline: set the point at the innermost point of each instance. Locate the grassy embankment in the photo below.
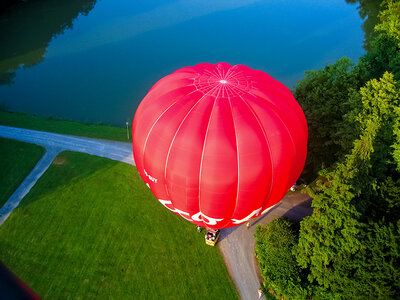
(91, 229)
(64, 126)
(17, 160)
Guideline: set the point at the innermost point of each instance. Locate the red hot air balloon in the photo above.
(219, 144)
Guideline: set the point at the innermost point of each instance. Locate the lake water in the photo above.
(94, 61)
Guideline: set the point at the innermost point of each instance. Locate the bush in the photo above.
(278, 265)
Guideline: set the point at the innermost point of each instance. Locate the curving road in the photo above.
(55, 143)
(236, 243)
(113, 150)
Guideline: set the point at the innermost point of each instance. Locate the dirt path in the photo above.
(237, 243)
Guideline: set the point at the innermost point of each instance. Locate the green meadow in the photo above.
(91, 229)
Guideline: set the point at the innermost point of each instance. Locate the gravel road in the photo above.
(113, 150)
(237, 243)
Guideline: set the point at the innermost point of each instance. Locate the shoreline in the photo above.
(64, 126)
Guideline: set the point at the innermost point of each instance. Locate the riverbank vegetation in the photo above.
(55, 125)
(17, 161)
(96, 232)
(349, 248)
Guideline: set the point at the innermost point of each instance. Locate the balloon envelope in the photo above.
(219, 144)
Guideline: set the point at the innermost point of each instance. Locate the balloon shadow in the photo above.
(225, 232)
(299, 212)
(260, 218)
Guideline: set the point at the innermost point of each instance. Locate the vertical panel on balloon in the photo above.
(281, 148)
(255, 168)
(183, 166)
(159, 142)
(147, 115)
(276, 90)
(218, 174)
(292, 117)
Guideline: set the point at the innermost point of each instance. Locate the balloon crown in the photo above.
(223, 79)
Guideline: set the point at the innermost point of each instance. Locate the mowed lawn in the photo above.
(91, 229)
(17, 159)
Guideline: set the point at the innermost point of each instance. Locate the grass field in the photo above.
(64, 126)
(91, 229)
(17, 160)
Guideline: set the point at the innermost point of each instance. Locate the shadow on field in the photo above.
(66, 168)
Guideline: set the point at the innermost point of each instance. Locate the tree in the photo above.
(396, 145)
(384, 54)
(338, 243)
(350, 246)
(330, 100)
(390, 21)
(383, 57)
(330, 97)
(279, 268)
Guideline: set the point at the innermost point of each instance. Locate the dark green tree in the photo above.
(354, 225)
(384, 55)
(330, 97)
(330, 100)
(396, 145)
(280, 271)
(390, 21)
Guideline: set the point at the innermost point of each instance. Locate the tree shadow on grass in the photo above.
(66, 168)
